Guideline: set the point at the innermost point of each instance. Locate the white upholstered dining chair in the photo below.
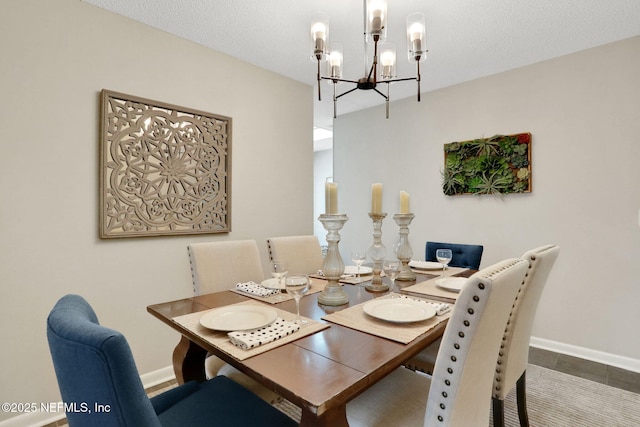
(218, 266)
(302, 253)
(513, 357)
(459, 393)
(514, 350)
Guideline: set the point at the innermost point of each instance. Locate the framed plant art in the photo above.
(164, 170)
(497, 165)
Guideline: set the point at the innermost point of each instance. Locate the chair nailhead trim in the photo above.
(454, 359)
(442, 406)
(440, 418)
(481, 285)
(450, 370)
(447, 382)
(476, 298)
(470, 311)
(456, 346)
(444, 394)
(461, 334)
(466, 323)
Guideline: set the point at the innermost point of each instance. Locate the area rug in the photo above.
(555, 399)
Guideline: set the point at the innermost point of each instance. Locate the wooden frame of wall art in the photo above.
(497, 165)
(164, 169)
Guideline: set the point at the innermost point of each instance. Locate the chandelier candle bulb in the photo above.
(376, 198)
(331, 198)
(319, 33)
(376, 22)
(404, 202)
(388, 61)
(335, 61)
(416, 37)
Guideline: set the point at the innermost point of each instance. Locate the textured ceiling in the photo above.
(466, 39)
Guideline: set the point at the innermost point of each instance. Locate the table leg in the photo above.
(336, 417)
(188, 361)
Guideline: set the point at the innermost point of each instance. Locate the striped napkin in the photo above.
(256, 337)
(254, 288)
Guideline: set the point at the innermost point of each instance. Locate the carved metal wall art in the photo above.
(165, 170)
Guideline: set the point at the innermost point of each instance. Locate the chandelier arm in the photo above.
(404, 79)
(339, 80)
(418, 79)
(335, 102)
(318, 75)
(381, 94)
(387, 100)
(347, 92)
(374, 65)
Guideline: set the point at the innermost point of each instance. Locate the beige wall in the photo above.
(583, 111)
(56, 57)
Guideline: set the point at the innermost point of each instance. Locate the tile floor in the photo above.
(594, 371)
(604, 374)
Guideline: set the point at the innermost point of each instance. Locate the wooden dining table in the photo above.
(319, 373)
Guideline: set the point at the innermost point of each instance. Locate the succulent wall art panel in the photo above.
(497, 165)
(164, 169)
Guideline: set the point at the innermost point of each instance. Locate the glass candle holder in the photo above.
(333, 266)
(403, 250)
(377, 252)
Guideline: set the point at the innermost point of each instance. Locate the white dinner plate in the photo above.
(353, 269)
(399, 310)
(454, 284)
(272, 283)
(238, 318)
(425, 265)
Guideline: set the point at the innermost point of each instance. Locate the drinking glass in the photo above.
(279, 270)
(297, 286)
(444, 257)
(358, 258)
(391, 269)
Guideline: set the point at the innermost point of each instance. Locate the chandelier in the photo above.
(384, 54)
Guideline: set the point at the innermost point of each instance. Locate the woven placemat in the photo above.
(355, 318)
(220, 339)
(429, 288)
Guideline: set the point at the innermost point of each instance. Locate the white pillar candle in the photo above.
(376, 198)
(331, 198)
(404, 202)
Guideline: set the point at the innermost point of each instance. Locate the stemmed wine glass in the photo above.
(444, 257)
(297, 286)
(279, 270)
(391, 269)
(358, 258)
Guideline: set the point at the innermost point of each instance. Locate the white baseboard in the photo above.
(39, 419)
(621, 362)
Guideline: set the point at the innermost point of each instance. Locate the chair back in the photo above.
(94, 366)
(466, 256)
(302, 253)
(514, 357)
(460, 391)
(217, 266)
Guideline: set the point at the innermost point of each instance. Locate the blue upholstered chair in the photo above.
(94, 366)
(466, 256)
